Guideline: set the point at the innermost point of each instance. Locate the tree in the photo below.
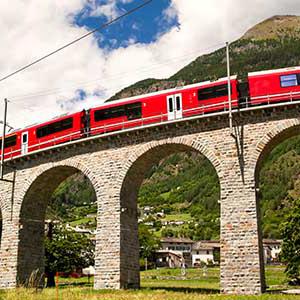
(66, 250)
(290, 252)
(148, 242)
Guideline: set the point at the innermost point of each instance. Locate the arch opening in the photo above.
(170, 178)
(277, 185)
(32, 226)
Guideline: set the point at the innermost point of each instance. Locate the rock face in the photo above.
(277, 27)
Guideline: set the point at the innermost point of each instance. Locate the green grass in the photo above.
(162, 284)
(82, 221)
(178, 217)
(143, 294)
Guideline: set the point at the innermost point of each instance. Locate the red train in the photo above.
(206, 97)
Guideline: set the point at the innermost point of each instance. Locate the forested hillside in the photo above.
(274, 43)
(185, 186)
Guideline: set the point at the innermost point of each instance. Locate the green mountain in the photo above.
(189, 191)
(271, 44)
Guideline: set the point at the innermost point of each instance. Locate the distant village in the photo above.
(174, 251)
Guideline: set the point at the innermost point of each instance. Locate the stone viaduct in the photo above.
(115, 164)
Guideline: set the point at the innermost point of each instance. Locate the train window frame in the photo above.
(178, 102)
(171, 106)
(24, 138)
(133, 111)
(109, 113)
(9, 142)
(215, 91)
(54, 127)
(285, 83)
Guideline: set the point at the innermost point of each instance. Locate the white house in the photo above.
(203, 252)
(176, 244)
(272, 250)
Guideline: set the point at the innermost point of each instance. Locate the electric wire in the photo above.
(80, 85)
(77, 40)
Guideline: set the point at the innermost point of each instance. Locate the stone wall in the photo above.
(116, 166)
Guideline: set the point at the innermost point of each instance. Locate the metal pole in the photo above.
(229, 88)
(3, 138)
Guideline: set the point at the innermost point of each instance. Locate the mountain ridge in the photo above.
(258, 42)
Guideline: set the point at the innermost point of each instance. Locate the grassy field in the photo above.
(178, 217)
(163, 284)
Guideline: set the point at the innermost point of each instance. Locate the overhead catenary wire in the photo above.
(77, 40)
(18, 98)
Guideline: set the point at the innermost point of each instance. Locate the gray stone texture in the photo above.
(116, 166)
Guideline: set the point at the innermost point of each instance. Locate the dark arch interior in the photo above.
(279, 138)
(270, 211)
(32, 222)
(129, 194)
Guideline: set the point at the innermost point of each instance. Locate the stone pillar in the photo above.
(242, 269)
(116, 255)
(8, 253)
(130, 266)
(9, 240)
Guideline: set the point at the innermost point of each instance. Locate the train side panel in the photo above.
(39, 137)
(208, 98)
(54, 132)
(274, 86)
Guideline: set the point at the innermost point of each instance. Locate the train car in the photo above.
(167, 105)
(34, 137)
(200, 98)
(62, 129)
(12, 144)
(274, 85)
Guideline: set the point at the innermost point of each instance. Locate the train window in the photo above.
(171, 104)
(24, 138)
(9, 141)
(54, 127)
(133, 110)
(206, 93)
(109, 113)
(213, 92)
(221, 90)
(288, 80)
(178, 104)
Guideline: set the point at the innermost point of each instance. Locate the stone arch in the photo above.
(33, 202)
(270, 140)
(131, 178)
(280, 132)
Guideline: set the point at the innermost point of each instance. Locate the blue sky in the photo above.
(154, 42)
(143, 26)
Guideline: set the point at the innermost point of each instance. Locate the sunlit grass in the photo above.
(162, 284)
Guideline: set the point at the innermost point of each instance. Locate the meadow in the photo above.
(162, 284)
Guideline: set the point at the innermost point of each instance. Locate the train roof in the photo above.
(282, 70)
(176, 89)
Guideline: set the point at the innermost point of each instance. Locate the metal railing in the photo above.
(159, 118)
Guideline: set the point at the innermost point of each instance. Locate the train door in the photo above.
(174, 105)
(24, 143)
(178, 106)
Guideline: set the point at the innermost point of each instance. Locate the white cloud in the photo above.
(32, 29)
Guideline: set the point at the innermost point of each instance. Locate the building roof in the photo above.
(272, 242)
(170, 252)
(176, 240)
(206, 245)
